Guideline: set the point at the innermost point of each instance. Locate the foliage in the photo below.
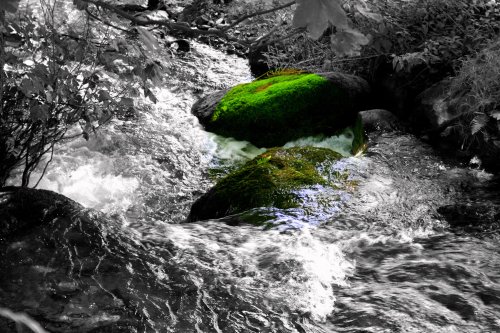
(439, 30)
(51, 83)
(320, 15)
(9, 5)
(478, 87)
(412, 32)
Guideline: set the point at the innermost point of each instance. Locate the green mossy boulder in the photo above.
(274, 110)
(269, 180)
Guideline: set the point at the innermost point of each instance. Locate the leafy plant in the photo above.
(50, 84)
(478, 87)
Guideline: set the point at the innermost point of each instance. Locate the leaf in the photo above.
(382, 45)
(103, 95)
(478, 123)
(447, 131)
(80, 5)
(152, 71)
(39, 112)
(126, 101)
(148, 39)
(365, 11)
(149, 94)
(317, 15)
(27, 87)
(495, 115)
(9, 5)
(348, 42)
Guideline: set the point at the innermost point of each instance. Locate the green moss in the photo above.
(359, 143)
(282, 71)
(271, 111)
(268, 180)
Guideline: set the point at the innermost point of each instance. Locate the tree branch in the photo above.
(183, 26)
(282, 38)
(106, 23)
(263, 12)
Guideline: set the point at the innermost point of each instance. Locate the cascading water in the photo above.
(382, 261)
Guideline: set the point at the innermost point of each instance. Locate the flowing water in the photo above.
(383, 260)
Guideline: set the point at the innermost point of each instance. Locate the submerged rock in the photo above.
(272, 179)
(276, 109)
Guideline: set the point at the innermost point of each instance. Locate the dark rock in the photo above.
(183, 45)
(379, 120)
(356, 88)
(396, 88)
(257, 60)
(472, 217)
(272, 179)
(22, 210)
(435, 107)
(205, 107)
(274, 110)
(74, 270)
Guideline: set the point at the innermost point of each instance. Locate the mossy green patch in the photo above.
(271, 111)
(359, 143)
(268, 180)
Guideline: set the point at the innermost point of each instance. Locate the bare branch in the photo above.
(183, 26)
(263, 12)
(282, 38)
(179, 26)
(47, 164)
(107, 23)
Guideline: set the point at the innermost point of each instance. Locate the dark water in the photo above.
(413, 249)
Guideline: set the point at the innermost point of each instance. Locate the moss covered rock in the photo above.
(273, 110)
(269, 180)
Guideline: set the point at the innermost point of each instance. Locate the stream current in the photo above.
(385, 261)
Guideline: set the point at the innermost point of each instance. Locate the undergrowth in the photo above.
(478, 86)
(411, 32)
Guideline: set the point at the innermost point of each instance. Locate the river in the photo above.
(386, 260)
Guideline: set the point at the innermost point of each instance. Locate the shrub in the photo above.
(430, 31)
(50, 83)
(478, 86)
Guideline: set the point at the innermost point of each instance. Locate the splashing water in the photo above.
(383, 261)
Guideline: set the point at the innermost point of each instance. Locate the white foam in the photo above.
(294, 271)
(341, 143)
(90, 178)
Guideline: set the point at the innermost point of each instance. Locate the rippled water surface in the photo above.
(384, 260)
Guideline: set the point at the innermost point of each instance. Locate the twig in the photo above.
(280, 39)
(101, 20)
(263, 12)
(46, 165)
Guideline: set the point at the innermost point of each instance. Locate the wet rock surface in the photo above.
(272, 179)
(274, 110)
(379, 120)
(72, 269)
